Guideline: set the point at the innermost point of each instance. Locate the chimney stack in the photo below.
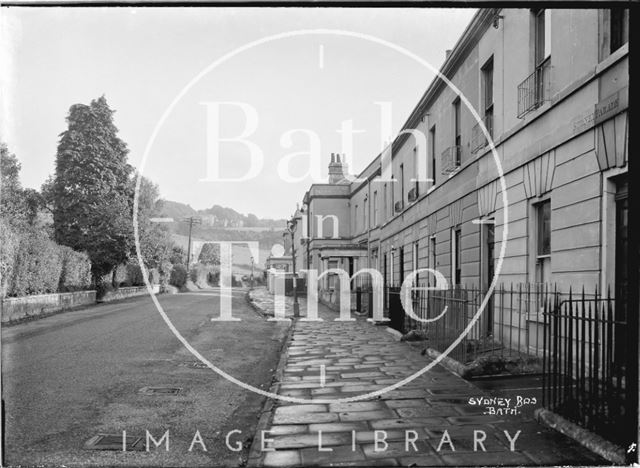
(338, 168)
(447, 53)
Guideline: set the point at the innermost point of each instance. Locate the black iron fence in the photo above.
(478, 138)
(535, 89)
(579, 343)
(511, 324)
(588, 371)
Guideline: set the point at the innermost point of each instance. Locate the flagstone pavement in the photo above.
(327, 362)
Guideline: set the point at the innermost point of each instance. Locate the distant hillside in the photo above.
(241, 254)
(176, 210)
(223, 224)
(218, 216)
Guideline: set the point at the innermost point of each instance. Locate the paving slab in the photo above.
(431, 412)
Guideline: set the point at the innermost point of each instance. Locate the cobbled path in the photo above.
(409, 422)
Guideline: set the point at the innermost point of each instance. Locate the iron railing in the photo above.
(587, 367)
(579, 343)
(450, 159)
(478, 138)
(510, 324)
(535, 89)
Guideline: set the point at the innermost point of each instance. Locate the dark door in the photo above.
(396, 311)
(385, 282)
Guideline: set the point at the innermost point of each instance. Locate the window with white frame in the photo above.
(391, 268)
(365, 217)
(415, 261)
(432, 150)
(543, 241)
(456, 254)
(432, 259)
(487, 95)
(375, 208)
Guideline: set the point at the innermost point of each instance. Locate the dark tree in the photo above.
(156, 244)
(92, 199)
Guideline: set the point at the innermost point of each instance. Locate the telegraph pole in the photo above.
(191, 220)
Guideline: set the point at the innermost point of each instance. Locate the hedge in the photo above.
(31, 263)
(178, 276)
(9, 242)
(76, 270)
(164, 275)
(134, 274)
(38, 265)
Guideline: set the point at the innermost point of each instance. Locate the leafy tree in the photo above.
(251, 220)
(91, 190)
(178, 255)
(155, 240)
(13, 207)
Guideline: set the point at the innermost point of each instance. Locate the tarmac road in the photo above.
(69, 377)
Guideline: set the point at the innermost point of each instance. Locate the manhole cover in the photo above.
(160, 390)
(194, 365)
(114, 442)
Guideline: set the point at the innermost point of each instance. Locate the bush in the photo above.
(76, 270)
(213, 278)
(164, 275)
(154, 276)
(178, 276)
(38, 265)
(134, 274)
(121, 277)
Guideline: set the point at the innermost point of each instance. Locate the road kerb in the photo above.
(256, 455)
(588, 439)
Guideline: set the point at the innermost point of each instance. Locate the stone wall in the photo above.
(16, 308)
(123, 293)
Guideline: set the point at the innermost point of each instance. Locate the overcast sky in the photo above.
(142, 58)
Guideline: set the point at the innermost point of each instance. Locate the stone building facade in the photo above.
(551, 88)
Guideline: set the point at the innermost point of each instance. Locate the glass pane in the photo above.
(539, 39)
(542, 35)
(487, 74)
(544, 228)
